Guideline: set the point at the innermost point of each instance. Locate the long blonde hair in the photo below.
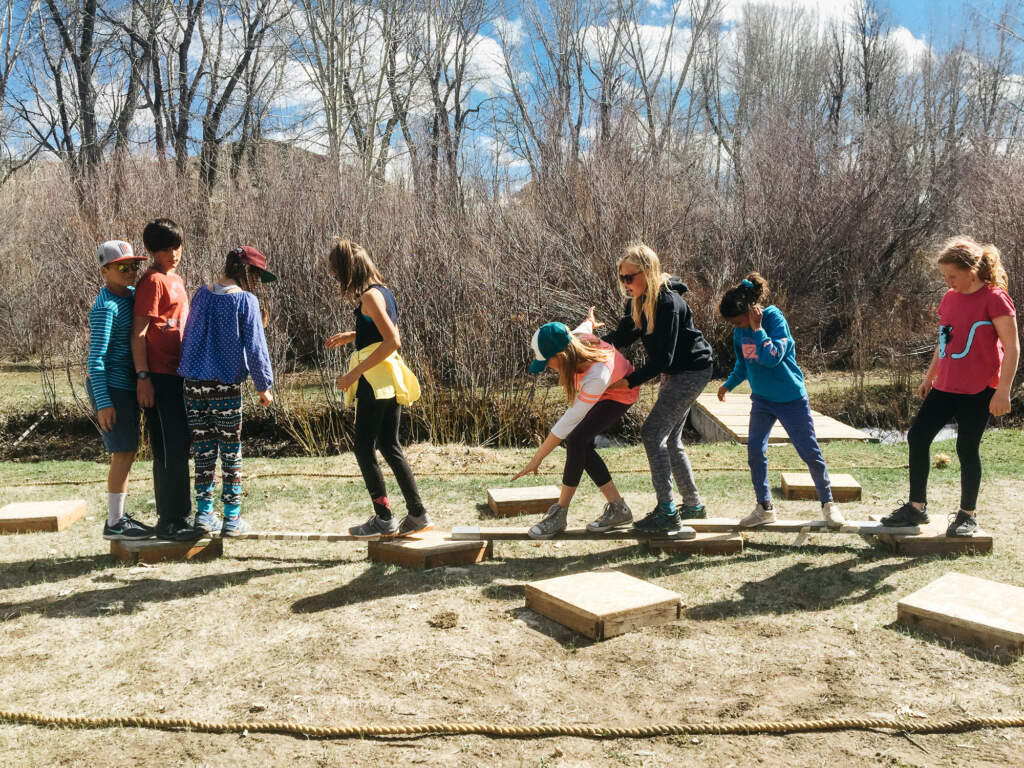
(983, 260)
(352, 267)
(580, 353)
(640, 255)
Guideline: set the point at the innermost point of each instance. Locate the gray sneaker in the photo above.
(235, 526)
(415, 524)
(375, 528)
(554, 522)
(616, 513)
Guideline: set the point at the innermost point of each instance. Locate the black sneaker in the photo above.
(178, 531)
(659, 522)
(963, 524)
(906, 516)
(694, 512)
(127, 529)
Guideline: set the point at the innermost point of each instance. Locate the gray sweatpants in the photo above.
(662, 434)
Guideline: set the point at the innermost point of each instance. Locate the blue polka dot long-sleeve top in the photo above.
(224, 340)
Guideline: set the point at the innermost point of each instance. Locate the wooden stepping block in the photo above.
(508, 502)
(26, 516)
(702, 544)
(799, 485)
(974, 611)
(602, 604)
(932, 540)
(429, 550)
(157, 551)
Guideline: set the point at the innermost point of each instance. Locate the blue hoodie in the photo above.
(767, 359)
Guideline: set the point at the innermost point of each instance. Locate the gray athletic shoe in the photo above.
(554, 522)
(616, 513)
(375, 528)
(235, 526)
(415, 524)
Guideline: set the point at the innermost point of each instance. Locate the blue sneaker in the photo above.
(208, 523)
(235, 526)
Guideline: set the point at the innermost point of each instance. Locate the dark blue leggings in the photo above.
(796, 419)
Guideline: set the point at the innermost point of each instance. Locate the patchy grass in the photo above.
(314, 632)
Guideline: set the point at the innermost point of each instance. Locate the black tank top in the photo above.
(366, 330)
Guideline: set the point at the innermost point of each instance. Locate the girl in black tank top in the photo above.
(377, 420)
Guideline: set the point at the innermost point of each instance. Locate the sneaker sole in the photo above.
(757, 524)
(404, 534)
(606, 528)
(543, 536)
(123, 537)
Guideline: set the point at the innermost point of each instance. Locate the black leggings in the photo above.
(971, 415)
(377, 426)
(580, 454)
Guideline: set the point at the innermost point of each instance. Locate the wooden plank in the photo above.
(800, 485)
(709, 525)
(158, 551)
(27, 516)
(931, 539)
(971, 610)
(703, 544)
(729, 421)
(526, 500)
(430, 551)
(602, 604)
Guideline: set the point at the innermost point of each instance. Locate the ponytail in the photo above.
(983, 260)
(248, 278)
(751, 290)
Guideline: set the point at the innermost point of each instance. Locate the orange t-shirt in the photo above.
(162, 298)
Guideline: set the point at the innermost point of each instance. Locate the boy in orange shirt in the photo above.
(161, 309)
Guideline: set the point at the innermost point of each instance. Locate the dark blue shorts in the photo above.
(124, 437)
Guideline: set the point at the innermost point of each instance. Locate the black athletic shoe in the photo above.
(178, 531)
(127, 529)
(659, 522)
(963, 525)
(905, 517)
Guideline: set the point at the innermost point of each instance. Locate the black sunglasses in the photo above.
(628, 278)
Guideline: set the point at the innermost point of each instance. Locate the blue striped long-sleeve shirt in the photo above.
(110, 351)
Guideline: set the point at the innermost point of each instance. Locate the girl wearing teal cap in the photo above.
(587, 367)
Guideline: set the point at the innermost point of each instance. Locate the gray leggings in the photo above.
(662, 434)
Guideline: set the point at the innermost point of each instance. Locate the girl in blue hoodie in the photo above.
(766, 357)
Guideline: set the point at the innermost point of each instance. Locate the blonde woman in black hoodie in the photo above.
(680, 357)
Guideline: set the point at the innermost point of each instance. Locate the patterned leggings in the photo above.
(214, 414)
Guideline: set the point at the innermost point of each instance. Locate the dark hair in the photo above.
(161, 235)
(753, 289)
(248, 277)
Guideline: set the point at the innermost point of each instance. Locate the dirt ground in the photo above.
(314, 632)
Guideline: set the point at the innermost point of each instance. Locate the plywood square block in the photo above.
(602, 604)
(429, 550)
(701, 544)
(800, 485)
(974, 611)
(157, 551)
(25, 516)
(507, 502)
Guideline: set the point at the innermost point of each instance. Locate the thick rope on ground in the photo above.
(349, 731)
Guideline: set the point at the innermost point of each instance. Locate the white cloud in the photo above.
(914, 49)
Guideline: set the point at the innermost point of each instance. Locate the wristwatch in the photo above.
(142, 375)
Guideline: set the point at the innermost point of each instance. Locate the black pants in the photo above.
(169, 442)
(377, 426)
(971, 415)
(580, 454)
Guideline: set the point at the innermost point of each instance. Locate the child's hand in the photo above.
(340, 339)
(721, 393)
(265, 398)
(107, 417)
(924, 388)
(1000, 404)
(530, 468)
(592, 319)
(145, 393)
(345, 381)
(754, 314)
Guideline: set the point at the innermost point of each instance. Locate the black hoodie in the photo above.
(675, 346)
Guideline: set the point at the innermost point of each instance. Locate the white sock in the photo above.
(115, 507)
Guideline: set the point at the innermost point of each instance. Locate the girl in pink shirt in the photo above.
(969, 377)
(587, 367)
